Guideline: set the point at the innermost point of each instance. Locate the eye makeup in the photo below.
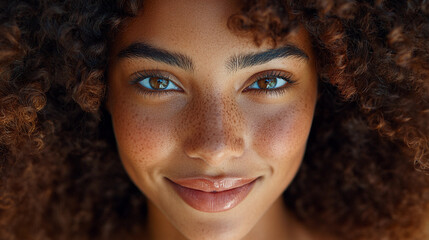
(268, 77)
(162, 78)
(266, 82)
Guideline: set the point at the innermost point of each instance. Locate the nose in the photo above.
(215, 129)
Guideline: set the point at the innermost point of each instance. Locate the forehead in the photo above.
(197, 28)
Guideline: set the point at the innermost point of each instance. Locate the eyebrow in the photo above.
(143, 50)
(236, 62)
(249, 60)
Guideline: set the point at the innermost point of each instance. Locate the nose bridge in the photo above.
(217, 126)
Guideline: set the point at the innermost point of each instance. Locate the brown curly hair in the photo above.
(363, 174)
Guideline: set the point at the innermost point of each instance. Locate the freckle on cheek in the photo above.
(139, 137)
(281, 134)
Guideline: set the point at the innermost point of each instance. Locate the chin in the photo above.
(228, 225)
(211, 233)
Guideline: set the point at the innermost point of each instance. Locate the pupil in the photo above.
(158, 83)
(267, 83)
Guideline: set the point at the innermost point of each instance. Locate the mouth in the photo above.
(208, 194)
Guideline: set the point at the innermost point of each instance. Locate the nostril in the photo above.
(214, 150)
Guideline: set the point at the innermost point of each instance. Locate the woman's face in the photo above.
(210, 127)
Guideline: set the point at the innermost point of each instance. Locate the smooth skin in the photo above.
(212, 119)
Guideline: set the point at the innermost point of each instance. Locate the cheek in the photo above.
(283, 133)
(141, 137)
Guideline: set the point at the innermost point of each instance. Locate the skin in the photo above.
(213, 126)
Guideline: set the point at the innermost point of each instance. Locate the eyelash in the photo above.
(275, 91)
(139, 76)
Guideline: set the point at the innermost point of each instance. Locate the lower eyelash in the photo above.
(152, 93)
(147, 92)
(272, 92)
(275, 91)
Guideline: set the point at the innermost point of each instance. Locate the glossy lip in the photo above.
(209, 194)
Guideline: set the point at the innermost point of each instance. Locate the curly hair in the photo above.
(364, 174)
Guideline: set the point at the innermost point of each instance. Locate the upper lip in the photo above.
(212, 184)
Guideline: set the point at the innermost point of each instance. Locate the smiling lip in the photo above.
(213, 194)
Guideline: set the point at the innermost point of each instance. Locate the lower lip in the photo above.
(213, 201)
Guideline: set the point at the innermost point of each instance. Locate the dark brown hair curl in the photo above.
(364, 175)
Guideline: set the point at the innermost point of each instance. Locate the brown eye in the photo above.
(161, 84)
(158, 83)
(267, 83)
(271, 83)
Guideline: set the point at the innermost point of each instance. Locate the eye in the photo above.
(157, 83)
(272, 82)
(154, 83)
(268, 83)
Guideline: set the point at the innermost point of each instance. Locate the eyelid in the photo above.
(269, 74)
(136, 77)
(139, 75)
